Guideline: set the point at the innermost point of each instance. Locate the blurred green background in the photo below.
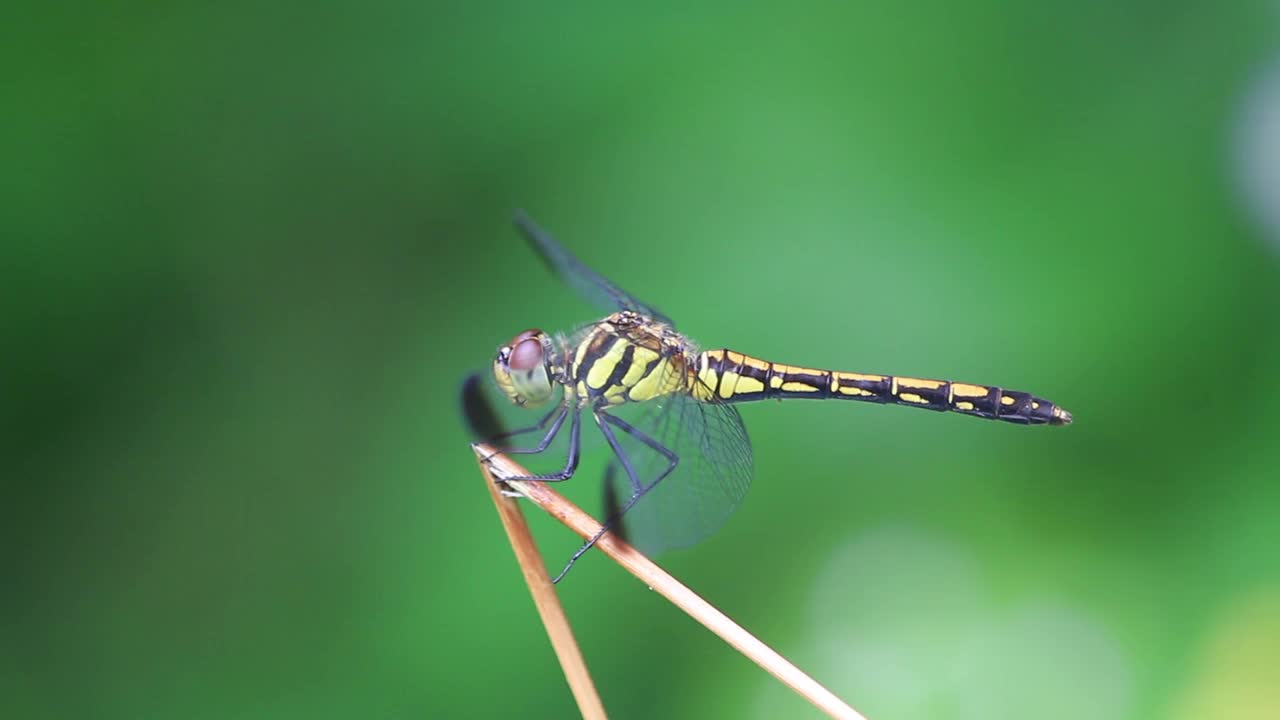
(249, 251)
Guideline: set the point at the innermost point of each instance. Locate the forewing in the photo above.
(710, 480)
(589, 284)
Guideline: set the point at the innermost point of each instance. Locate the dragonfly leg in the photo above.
(571, 464)
(638, 489)
(558, 413)
(628, 428)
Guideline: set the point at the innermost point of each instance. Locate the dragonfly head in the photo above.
(523, 368)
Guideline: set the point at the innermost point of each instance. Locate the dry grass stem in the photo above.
(546, 600)
(666, 585)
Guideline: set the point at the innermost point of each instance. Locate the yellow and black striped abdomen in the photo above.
(733, 377)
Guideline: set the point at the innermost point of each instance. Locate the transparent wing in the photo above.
(589, 284)
(709, 482)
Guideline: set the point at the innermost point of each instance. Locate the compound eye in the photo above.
(527, 354)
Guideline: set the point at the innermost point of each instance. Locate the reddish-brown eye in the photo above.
(526, 355)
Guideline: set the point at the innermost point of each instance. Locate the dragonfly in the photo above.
(681, 457)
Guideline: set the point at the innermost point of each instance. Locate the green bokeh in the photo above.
(250, 251)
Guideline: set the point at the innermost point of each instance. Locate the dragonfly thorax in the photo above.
(628, 357)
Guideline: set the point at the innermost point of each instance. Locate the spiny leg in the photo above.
(559, 412)
(571, 464)
(604, 420)
(654, 445)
